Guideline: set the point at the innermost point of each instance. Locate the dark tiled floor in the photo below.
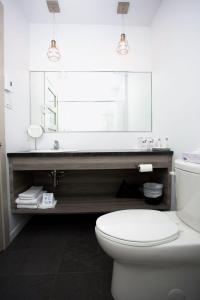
(56, 258)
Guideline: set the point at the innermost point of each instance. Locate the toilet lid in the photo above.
(139, 226)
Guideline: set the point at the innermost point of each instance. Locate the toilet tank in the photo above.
(188, 192)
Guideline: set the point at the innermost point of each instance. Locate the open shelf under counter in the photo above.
(85, 178)
(102, 204)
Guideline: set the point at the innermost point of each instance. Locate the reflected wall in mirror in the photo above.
(91, 101)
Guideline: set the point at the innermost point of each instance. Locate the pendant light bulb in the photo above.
(53, 53)
(122, 47)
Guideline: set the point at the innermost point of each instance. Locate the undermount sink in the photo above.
(83, 150)
(52, 150)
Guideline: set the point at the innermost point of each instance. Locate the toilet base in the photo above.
(155, 282)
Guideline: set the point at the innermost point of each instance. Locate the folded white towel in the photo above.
(31, 193)
(193, 157)
(32, 206)
(29, 201)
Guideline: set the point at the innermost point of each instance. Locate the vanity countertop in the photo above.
(89, 152)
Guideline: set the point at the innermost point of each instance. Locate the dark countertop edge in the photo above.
(86, 153)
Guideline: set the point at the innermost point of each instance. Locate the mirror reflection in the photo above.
(91, 101)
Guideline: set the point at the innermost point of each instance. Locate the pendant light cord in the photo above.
(53, 26)
(122, 23)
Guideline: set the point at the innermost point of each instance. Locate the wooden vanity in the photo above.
(88, 182)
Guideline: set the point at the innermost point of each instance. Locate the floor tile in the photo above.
(28, 288)
(11, 262)
(5, 282)
(84, 257)
(22, 242)
(82, 286)
(41, 261)
(48, 238)
(56, 258)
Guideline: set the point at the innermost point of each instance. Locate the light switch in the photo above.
(8, 85)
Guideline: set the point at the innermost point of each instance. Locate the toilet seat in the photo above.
(137, 227)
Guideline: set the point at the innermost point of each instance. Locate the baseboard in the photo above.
(16, 230)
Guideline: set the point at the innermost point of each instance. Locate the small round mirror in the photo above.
(35, 131)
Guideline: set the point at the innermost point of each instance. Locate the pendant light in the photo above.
(122, 47)
(53, 52)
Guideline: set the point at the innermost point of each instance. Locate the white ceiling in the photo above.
(141, 12)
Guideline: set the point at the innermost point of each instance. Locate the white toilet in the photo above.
(157, 254)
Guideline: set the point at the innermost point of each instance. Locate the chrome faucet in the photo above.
(56, 145)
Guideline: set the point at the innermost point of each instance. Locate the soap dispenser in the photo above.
(166, 143)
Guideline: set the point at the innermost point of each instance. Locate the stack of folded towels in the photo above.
(30, 198)
(193, 157)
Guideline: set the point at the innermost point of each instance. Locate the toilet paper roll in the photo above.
(145, 168)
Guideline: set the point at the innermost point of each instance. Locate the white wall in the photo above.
(89, 47)
(176, 83)
(176, 66)
(16, 39)
(86, 47)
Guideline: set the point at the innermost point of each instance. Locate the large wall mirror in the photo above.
(91, 101)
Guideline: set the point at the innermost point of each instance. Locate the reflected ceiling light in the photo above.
(53, 52)
(123, 47)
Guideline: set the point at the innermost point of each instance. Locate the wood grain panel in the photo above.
(92, 205)
(89, 162)
(90, 182)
